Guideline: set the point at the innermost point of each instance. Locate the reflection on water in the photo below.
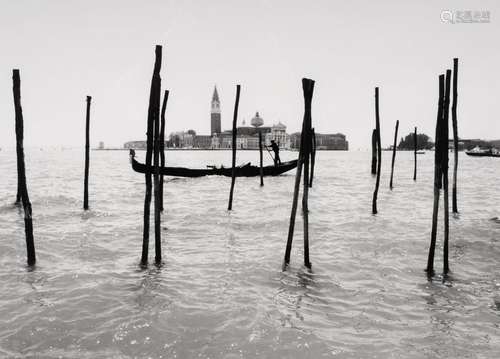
(220, 292)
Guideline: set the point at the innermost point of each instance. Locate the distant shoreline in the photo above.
(201, 149)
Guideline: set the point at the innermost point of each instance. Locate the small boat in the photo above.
(246, 170)
(478, 152)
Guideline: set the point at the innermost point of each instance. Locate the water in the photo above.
(221, 292)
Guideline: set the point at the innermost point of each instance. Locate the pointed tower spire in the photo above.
(215, 96)
(215, 126)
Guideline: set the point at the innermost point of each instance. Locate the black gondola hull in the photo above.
(482, 154)
(241, 171)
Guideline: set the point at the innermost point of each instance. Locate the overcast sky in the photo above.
(68, 49)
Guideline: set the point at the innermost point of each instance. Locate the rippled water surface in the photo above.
(221, 292)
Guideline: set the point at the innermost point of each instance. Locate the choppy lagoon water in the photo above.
(221, 292)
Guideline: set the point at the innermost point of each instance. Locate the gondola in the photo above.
(246, 170)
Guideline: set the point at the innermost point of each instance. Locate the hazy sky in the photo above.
(68, 49)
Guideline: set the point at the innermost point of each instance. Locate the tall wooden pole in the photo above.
(156, 179)
(308, 88)
(415, 137)
(233, 169)
(313, 155)
(23, 188)
(261, 160)
(394, 152)
(379, 153)
(296, 189)
(162, 144)
(305, 144)
(444, 168)
(374, 151)
(455, 134)
(437, 178)
(153, 112)
(87, 155)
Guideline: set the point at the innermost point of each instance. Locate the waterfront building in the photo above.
(336, 141)
(181, 139)
(202, 141)
(136, 145)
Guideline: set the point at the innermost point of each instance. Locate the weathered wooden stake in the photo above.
(23, 188)
(415, 154)
(233, 170)
(261, 160)
(304, 153)
(374, 151)
(379, 153)
(444, 168)
(437, 178)
(308, 87)
(313, 155)
(162, 144)
(87, 155)
(455, 134)
(156, 178)
(394, 152)
(296, 189)
(153, 114)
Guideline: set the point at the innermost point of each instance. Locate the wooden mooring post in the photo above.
(21, 169)
(444, 167)
(441, 173)
(374, 151)
(162, 144)
(437, 178)
(303, 161)
(153, 115)
(379, 152)
(394, 146)
(313, 156)
(415, 145)
(233, 168)
(156, 181)
(87, 155)
(261, 169)
(455, 134)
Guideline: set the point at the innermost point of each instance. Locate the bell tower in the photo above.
(215, 114)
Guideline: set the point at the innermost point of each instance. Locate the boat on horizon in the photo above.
(246, 170)
(478, 152)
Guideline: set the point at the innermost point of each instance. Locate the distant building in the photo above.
(136, 145)
(335, 141)
(202, 141)
(215, 127)
(182, 139)
(101, 145)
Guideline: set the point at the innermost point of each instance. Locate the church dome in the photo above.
(257, 121)
(279, 126)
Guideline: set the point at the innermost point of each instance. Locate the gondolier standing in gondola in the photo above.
(276, 149)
